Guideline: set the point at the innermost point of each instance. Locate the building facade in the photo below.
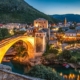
(40, 41)
(41, 23)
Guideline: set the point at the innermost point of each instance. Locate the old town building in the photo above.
(41, 23)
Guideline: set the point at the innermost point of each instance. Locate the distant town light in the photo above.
(11, 32)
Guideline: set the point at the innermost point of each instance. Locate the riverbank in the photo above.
(65, 73)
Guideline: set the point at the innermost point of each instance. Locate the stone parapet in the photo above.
(4, 67)
(7, 75)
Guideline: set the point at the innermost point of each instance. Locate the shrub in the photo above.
(43, 72)
(73, 59)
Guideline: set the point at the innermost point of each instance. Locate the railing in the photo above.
(7, 41)
(3, 43)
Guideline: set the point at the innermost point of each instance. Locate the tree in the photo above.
(66, 54)
(53, 50)
(73, 59)
(41, 71)
(60, 30)
(1, 35)
(21, 51)
(4, 33)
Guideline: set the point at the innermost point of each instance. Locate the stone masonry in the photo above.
(7, 75)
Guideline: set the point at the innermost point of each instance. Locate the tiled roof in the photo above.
(78, 28)
(71, 31)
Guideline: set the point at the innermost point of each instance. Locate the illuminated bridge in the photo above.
(6, 44)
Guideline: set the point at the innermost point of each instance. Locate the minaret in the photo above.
(65, 22)
(49, 33)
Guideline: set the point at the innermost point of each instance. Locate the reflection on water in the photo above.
(20, 71)
(69, 74)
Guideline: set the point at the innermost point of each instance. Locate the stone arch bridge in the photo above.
(6, 44)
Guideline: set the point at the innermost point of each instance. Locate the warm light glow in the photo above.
(11, 32)
(65, 76)
(71, 76)
(61, 74)
(28, 40)
(78, 77)
(64, 36)
(36, 25)
(55, 29)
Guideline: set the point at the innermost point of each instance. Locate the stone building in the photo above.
(40, 41)
(70, 35)
(41, 23)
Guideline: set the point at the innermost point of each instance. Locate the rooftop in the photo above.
(71, 31)
(30, 28)
(78, 28)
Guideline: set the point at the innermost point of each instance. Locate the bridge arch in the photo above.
(6, 46)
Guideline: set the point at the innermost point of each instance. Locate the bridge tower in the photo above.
(40, 42)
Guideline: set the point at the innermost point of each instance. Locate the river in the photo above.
(69, 74)
(16, 70)
(66, 74)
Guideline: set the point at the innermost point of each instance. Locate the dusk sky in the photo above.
(56, 6)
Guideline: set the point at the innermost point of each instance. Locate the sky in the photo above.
(51, 7)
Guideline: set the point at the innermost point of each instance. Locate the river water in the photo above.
(69, 74)
(20, 71)
(66, 74)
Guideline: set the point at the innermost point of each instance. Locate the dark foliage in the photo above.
(4, 33)
(41, 71)
(20, 11)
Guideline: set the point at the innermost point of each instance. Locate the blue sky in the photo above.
(56, 6)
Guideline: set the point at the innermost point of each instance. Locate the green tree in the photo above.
(53, 50)
(73, 59)
(4, 33)
(66, 54)
(41, 71)
(21, 51)
(1, 35)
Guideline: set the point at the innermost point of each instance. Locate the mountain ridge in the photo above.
(69, 17)
(20, 11)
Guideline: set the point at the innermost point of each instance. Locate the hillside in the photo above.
(70, 17)
(19, 11)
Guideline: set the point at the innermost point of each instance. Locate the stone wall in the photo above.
(7, 75)
(5, 67)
